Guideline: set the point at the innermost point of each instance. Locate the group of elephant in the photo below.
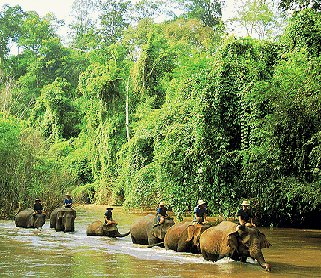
(214, 242)
(61, 219)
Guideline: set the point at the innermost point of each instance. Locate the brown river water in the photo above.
(47, 253)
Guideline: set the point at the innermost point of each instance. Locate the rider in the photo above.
(200, 212)
(109, 216)
(68, 201)
(161, 213)
(245, 215)
(37, 206)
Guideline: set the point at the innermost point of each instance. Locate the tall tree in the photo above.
(10, 23)
(114, 19)
(84, 26)
(35, 30)
(208, 11)
(257, 18)
(300, 4)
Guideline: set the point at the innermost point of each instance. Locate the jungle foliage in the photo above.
(174, 111)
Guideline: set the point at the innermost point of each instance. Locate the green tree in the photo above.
(208, 11)
(54, 114)
(300, 4)
(10, 29)
(35, 30)
(114, 19)
(84, 26)
(257, 18)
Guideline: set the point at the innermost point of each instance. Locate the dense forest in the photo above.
(160, 100)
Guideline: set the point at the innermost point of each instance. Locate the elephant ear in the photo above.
(198, 230)
(190, 232)
(232, 240)
(264, 243)
(156, 232)
(60, 213)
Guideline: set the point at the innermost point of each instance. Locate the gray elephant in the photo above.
(63, 219)
(184, 237)
(225, 240)
(145, 232)
(98, 228)
(27, 219)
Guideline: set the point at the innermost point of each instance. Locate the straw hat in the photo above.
(201, 202)
(162, 204)
(68, 194)
(245, 203)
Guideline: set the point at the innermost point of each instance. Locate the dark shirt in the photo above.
(162, 211)
(109, 215)
(245, 215)
(38, 207)
(199, 212)
(68, 202)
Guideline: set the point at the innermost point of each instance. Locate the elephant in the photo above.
(62, 219)
(145, 232)
(227, 239)
(27, 219)
(184, 237)
(98, 228)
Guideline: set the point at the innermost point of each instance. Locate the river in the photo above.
(47, 253)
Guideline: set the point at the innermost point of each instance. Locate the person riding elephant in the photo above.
(184, 237)
(62, 219)
(68, 201)
(28, 219)
(109, 216)
(144, 232)
(161, 214)
(98, 228)
(200, 212)
(224, 240)
(244, 214)
(37, 207)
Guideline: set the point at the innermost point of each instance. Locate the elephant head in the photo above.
(65, 219)
(193, 235)
(27, 219)
(248, 242)
(39, 220)
(53, 218)
(161, 230)
(68, 219)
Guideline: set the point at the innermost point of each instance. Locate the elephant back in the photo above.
(25, 218)
(139, 229)
(95, 229)
(174, 234)
(215, 239)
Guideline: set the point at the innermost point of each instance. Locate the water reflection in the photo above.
(46, 253)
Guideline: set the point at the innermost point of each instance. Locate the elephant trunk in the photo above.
(118, 234)
(260, 259)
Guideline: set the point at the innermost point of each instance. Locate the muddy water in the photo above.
(46, 253)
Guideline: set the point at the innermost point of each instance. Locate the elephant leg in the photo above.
(59, 226)
(243, 259)
(210, 257)
(152, 241)
(184, 247)
(134, 240)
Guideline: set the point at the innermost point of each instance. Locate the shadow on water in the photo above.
(47, 253)
(292, 269)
